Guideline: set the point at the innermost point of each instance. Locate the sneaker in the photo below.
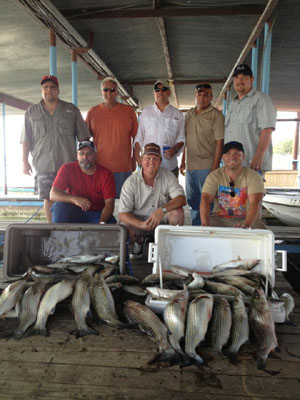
(137, 251)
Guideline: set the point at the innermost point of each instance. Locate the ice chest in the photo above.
(201, 248)
(46, 243)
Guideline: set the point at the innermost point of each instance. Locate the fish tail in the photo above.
(232, 355)
(18, 334)
(84, 332)
(261, 362)
(41, 332)
(194, 359)
(170, 356)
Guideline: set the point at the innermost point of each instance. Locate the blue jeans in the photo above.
(67, 212)
(194, 181)
(120, 178)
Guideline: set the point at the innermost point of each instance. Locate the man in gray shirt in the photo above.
(150, 197)
(49, 134)
(250, 120)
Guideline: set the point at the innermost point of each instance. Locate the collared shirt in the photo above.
(232, 202)
(113, 130)
(52, 137)
(141, 199)
(245, 120)
(202, 131)
(163, 128)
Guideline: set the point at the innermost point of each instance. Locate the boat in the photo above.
(284, 204)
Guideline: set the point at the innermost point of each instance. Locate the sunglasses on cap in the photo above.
(112, 90)
(163, 89)
(203, 86)
(232, 192)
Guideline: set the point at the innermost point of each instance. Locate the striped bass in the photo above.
(263, 327)
(103, 302)
(157, 293)
(150, 324)
(198, 316)
(11, 295)
(220, 323)
(174, 317)
(81, 302)
(245, 285)
(197, 283)
(29, 308)
(245, 264)
(54, 295)
(221, 288)
(240, 327)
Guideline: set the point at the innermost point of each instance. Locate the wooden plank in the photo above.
(200, 381)
(28, 390)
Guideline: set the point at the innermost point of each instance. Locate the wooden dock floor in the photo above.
(114, 365)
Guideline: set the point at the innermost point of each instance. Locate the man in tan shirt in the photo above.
(237, 191)
(204, 131)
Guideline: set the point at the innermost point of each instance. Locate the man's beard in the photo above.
(85, 164)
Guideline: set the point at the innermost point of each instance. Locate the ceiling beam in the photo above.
(15, 102)
(96, 12)
(163, 36)
(176, 81)
(248, 46)
(49, 16)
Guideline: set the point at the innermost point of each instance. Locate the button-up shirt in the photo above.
(245, 120)
(164, 128)
(52, 137)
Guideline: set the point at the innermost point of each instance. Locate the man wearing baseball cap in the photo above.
(236, 191)
(83, 191)
(251, 119)
(150, 197)
(204, 131)
(162, 124)
(49, 134)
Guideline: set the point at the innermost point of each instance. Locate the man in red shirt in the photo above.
(113, 126)
(83, 191)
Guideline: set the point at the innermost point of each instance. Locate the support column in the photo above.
(224, 111)
(53, 70)
(296, 146)
(254, 62)
(267, 58)
(74, 78)
(4, 150)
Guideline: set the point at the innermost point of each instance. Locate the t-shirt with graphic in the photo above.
(231, 201)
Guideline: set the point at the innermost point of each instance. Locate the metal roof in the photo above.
(141, 41)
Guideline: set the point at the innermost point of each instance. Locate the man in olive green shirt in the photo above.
(204, 131)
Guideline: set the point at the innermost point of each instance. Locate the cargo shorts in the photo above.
(43, 184)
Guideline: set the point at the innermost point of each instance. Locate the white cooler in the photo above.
(201, 248)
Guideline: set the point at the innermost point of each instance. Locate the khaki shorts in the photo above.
(43, 184)
(140, 232)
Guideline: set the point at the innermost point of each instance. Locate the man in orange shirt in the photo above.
(113, 126)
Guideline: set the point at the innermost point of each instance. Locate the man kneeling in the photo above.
(83, 191)
(150, 197)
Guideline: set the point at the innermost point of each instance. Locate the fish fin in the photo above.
(195, 360)
(168, 356)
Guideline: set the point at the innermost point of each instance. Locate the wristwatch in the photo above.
(164, 210)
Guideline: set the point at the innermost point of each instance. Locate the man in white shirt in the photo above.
(163, 124)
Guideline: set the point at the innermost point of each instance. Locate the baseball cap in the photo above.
(203, 86)
(242, 69)
(163, 82)
(151, 148)
(86, 143)
(233, 145)
(51, 78)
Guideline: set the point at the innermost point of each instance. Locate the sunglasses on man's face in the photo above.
(106, 89)
(232, 192)
(163, 89)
